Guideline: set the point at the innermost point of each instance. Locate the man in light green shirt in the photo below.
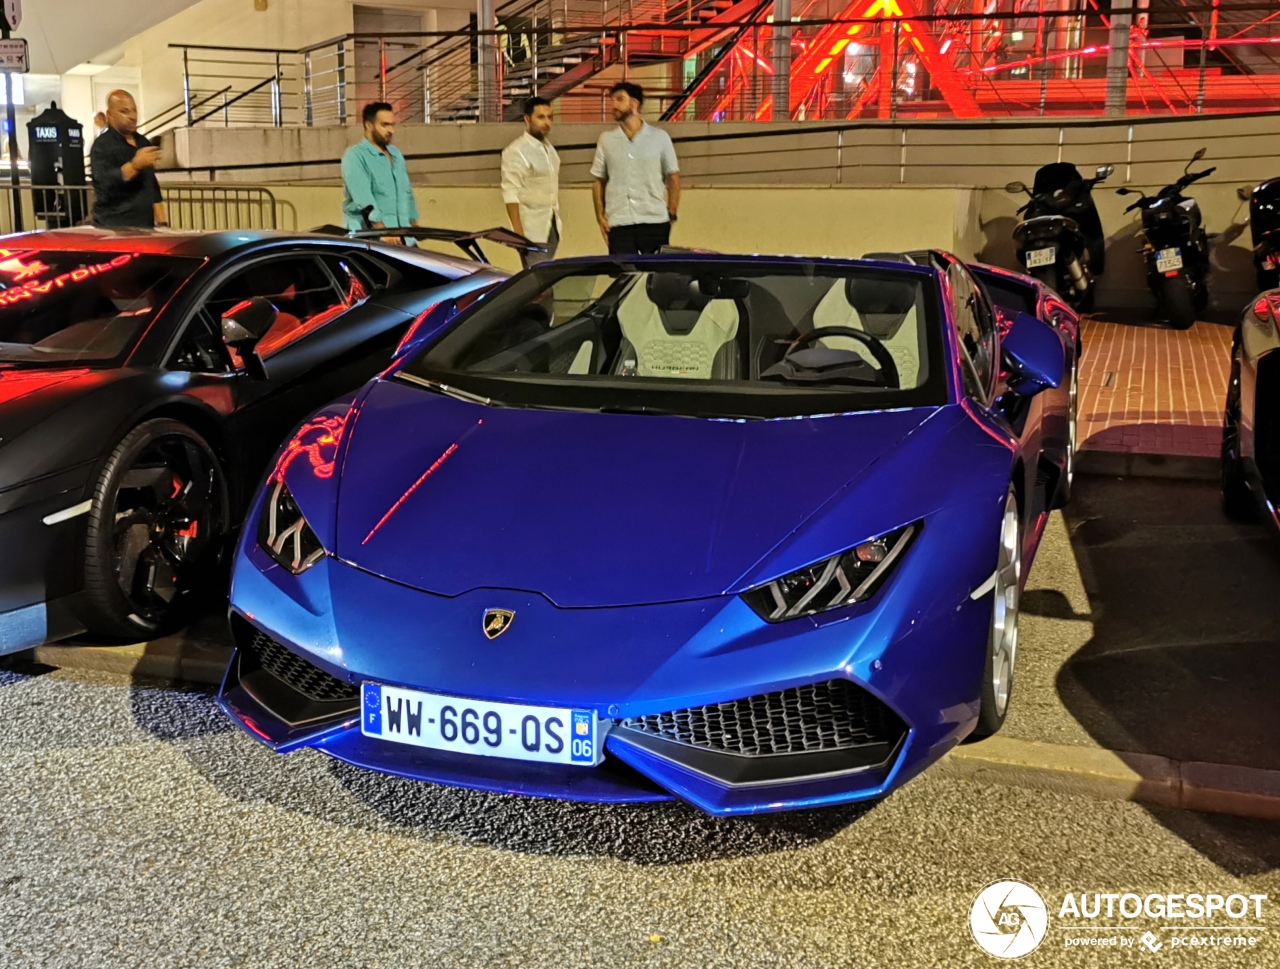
(375, 178)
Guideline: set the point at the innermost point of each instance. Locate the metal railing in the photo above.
(864, 63)
(196, 208)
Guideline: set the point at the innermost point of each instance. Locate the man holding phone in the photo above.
(123, 163)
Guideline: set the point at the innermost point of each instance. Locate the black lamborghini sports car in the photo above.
(146, 378)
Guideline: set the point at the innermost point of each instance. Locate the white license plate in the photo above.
(1168, 259)
(545, 734)
(1041, 257)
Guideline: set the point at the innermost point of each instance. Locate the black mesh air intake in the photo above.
(820, 717)
(311, 681)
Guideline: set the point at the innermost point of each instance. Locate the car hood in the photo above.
(586, 509)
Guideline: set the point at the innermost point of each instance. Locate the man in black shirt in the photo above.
(123, 161)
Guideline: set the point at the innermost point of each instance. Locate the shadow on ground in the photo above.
(17, 667)
(662, 833)
(308, 783)
(1185, 653)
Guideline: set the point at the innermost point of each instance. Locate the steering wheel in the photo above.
(887, 367)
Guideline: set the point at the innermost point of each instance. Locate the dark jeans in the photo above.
(638, 239)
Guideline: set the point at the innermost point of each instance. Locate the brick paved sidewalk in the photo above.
(1149, 390)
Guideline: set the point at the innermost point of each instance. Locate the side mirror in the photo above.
(1198, 155)
(1033, 356)
(1242, 194)
(1105, 171)
(425, 328)
(1017, 188)
(1124, 191)
(247, 322)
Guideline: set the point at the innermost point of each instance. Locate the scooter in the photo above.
(1264, 227)
(1060, 238)
(1176, 247)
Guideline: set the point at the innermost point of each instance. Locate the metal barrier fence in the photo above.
(727, 60)
(197, 208)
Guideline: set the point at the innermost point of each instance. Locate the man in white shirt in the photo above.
(531, 182)
(637, 178)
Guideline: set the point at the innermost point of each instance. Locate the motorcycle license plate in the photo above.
(1168, 260)
(1041, 257)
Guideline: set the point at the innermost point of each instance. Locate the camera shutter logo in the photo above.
(1008, 919)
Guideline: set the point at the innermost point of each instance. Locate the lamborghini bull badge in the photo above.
(497, 622)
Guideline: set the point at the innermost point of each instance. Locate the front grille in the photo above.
(835, 715)
(311, 681)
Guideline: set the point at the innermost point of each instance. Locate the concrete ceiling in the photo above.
(64, 33)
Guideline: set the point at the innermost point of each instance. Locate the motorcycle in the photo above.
(1264, 227)
(1060, 238)
(1176, 247)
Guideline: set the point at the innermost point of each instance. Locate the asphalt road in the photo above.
(138, 829)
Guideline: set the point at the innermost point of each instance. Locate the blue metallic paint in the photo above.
(518, 522)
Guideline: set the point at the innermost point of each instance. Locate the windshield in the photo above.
(80, 307)
(742, 339)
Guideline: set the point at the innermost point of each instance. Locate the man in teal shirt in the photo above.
(374, 177)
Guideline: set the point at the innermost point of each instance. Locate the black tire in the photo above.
(1200, 298)
(158, 522)
(1088, 298)
(1267, 278)
(1047, 275)
(993, 701)
(1174, 296)
(1237, 500)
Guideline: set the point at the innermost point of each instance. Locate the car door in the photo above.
(327, 339)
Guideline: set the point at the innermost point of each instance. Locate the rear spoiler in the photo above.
(468, 242)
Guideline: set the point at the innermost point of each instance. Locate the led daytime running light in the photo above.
(284, 534)
(841, 580)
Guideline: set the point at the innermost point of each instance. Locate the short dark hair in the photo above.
(370, 112)
(634, 91)
(535, 102)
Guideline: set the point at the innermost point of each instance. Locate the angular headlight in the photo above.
(284, 534)
(843, 579)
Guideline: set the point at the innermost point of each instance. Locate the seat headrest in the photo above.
(879, 296)
(674, 291)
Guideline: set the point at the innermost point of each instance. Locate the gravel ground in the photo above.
(137, 828)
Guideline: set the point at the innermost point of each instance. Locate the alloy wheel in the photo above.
(1003, 647)
(167, 513)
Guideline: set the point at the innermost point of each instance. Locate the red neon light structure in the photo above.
(879, 58)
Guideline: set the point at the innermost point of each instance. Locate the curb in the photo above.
(1134, 464)
(1247, 792)
(172, 659)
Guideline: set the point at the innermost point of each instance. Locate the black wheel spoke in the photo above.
(155, 479)
(168, 512)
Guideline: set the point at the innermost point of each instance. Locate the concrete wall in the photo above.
(815, 221)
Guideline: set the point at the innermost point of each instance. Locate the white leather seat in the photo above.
(888, 313)
(682, 334)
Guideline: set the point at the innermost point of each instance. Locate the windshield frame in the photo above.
(175, 271)
(711, 399)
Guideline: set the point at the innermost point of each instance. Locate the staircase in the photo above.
(567, 65)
